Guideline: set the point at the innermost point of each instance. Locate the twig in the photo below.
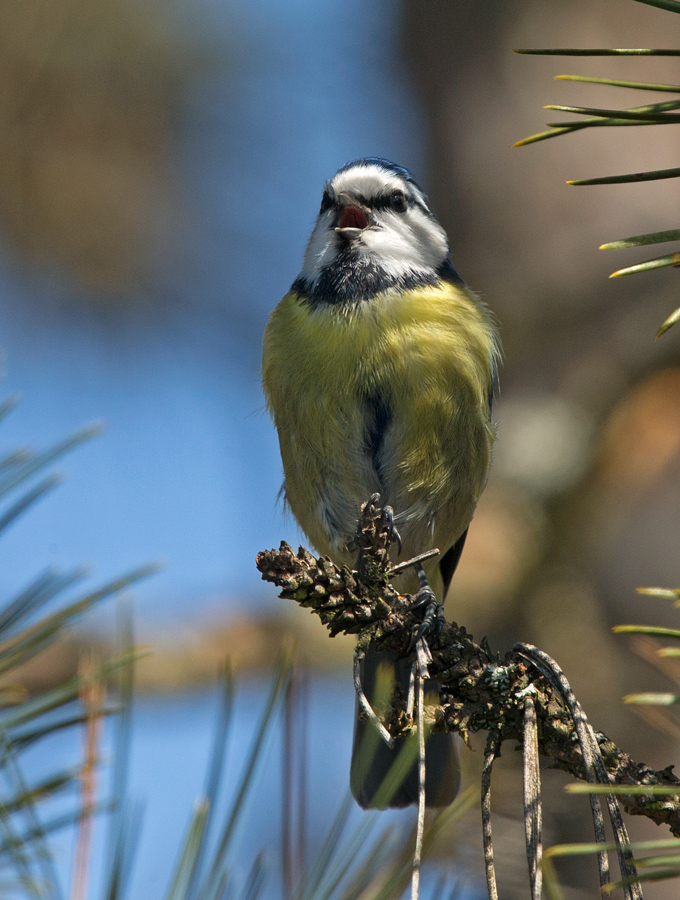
(493, 743)
(596, 768)
(365, 705)
(532, 799)
(525, 696)
(556, 677)
(410, 701)
(479, 690)
(401, 567)
(423, 657)
(420, 828)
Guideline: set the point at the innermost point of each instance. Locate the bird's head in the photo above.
(374, 231)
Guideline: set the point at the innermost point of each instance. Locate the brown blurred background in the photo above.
(582, 505)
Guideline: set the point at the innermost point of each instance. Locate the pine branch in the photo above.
(479, 690)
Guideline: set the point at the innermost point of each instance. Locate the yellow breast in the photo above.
(421, 362)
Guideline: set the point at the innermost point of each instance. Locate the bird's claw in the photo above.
(393, 535)
(433, 616)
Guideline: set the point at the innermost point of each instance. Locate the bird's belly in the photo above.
(390, 397)
(432, 476)
(436, 479)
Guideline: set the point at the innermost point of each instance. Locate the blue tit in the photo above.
(378, 369)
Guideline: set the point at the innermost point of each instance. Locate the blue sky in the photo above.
(188, 471)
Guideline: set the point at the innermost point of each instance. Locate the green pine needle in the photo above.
(190, 853)
(612, 82)
(28, 500)
(652, 699)
(599, 52)
(652, 630)
(35, 463)
(652, 111)
(589, 849)
(659, 263)
(276, 694)
(662, 593)
(641, 240)
(544, 135)
(636, 115)
(669, 5)
(669, 323)
(670, 860)
(638, 790)
(654, 175)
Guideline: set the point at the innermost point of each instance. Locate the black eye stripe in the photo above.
(385, 201)
(326, 201)
(381, 201)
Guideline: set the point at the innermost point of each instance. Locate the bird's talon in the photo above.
(433, 616)
(424, 597)
(393, 536)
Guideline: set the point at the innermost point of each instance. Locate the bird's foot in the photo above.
(375, 533)
(393, 536)
(433, 619)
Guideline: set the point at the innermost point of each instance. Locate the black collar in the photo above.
(352, 279)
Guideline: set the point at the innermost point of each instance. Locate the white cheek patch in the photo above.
(321, 249)
(406, 242)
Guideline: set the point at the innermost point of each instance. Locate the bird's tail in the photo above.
(372, 758)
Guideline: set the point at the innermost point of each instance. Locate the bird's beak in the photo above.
(354, 216)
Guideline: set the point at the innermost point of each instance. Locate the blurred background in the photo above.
(160, 170)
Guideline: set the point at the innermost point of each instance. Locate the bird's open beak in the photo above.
(353, 217)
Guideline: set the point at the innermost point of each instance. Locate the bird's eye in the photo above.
(398, 201)
(326, 202)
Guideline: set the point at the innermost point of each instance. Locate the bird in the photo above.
(379, 370)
